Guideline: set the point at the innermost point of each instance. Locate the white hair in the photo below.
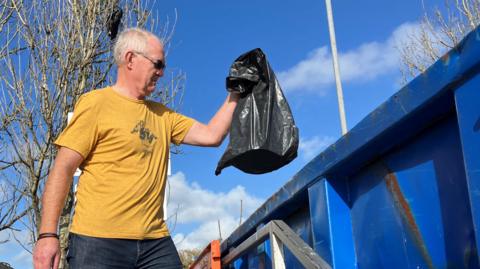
(131, 39)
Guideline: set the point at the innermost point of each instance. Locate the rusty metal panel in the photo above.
(410, 208)
(209, 258)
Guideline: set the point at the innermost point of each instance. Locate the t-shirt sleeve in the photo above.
(81, 132)
(180, 126)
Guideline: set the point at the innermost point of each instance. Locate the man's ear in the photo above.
(129, 59)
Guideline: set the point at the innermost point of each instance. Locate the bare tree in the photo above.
(439, 32)
(51, 52)
(188, 256)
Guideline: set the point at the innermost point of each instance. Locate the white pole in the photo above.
(78, 172)
(167, 190)
(336, 71)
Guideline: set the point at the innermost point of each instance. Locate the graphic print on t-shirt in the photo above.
(145, 135)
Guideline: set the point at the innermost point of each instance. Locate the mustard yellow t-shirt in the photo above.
(125, 144)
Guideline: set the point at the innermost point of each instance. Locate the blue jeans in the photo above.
(92, 252)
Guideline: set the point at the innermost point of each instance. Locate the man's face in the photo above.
(148, 67)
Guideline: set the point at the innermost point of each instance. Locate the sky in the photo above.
(210, 35)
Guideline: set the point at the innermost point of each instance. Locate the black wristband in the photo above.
(45, 235)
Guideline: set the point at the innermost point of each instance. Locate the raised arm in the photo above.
(47, 250)
(212, 134)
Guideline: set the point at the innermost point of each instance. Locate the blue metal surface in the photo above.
(268, 254)
(320, 218)
(402, 191)
(468, 113)
(241, 263)
(258, 257)
(332, 225)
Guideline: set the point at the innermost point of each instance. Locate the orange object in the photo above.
(210, 258)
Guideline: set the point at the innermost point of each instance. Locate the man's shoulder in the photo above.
(97, 93)
(94, 97)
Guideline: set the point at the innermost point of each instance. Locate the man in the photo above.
(121, 142)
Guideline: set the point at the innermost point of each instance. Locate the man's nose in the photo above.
(159, 72)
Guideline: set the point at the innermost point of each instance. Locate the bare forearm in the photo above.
(220, 123)
(47, 253)
(53, 200)
(47, 250)
(57, 186)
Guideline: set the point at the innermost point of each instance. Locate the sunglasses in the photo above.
(158, 64)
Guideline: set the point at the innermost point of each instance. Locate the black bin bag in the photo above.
(263, 135)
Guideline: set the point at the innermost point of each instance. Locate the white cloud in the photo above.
(310, 147)
(202, 207)
(310, 74)
(367, 62)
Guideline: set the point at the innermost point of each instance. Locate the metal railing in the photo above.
(280, 236)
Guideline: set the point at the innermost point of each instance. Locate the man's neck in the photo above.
(127, 91)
